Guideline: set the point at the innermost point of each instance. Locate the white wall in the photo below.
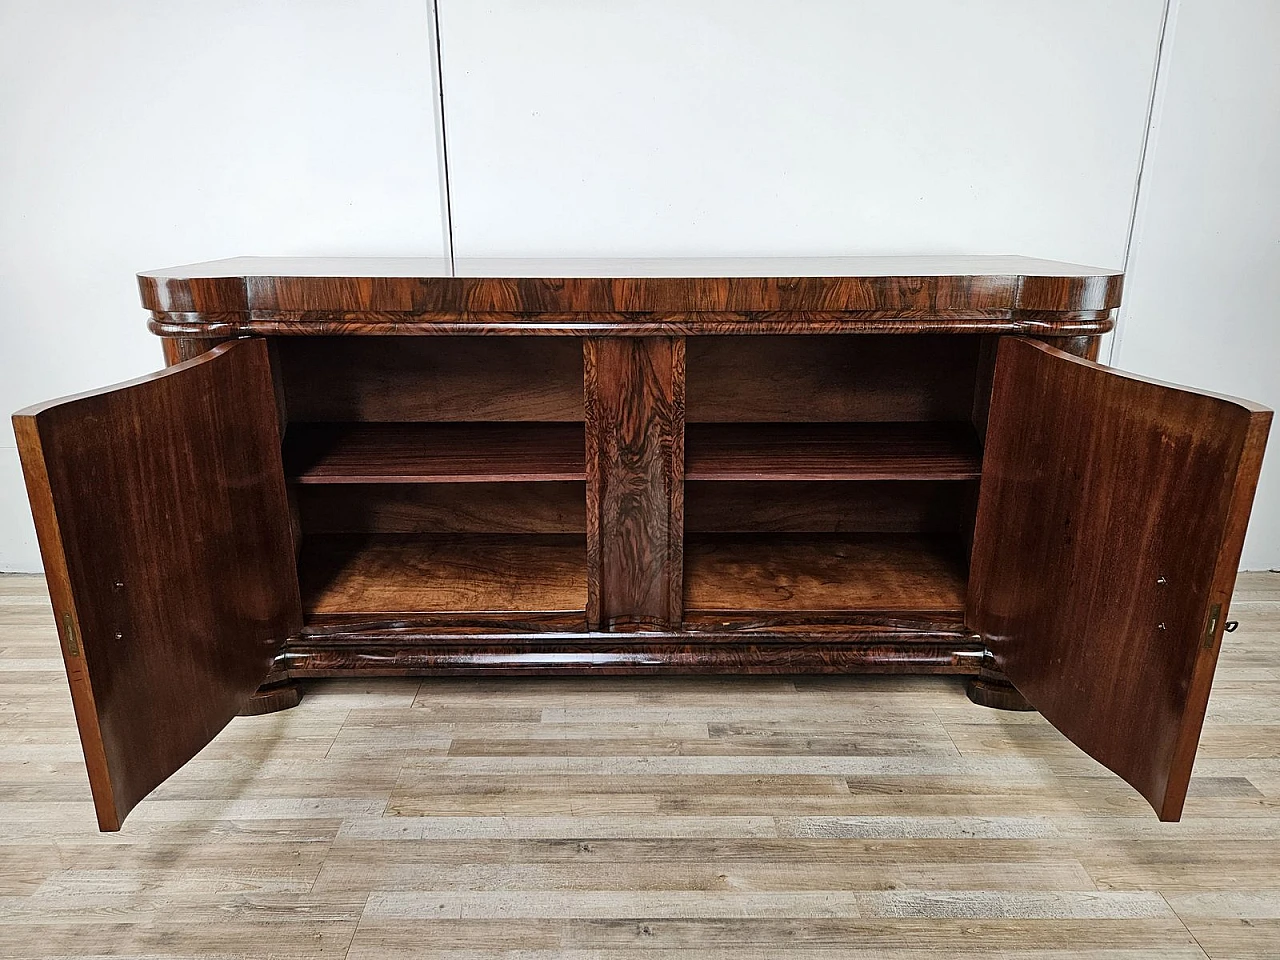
(1201, 302)
(147, 132)
(746, 127)
(140, 134)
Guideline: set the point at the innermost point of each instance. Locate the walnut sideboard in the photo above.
(386, 467)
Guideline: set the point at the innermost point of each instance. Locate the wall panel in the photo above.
(139, 134)
(746, 127)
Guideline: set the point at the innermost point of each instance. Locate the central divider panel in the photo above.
(635, 481)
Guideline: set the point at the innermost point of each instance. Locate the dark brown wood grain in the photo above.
(272, 699)
(490, 626)
(178, 349)
(431, 573)
(635, 482)
(818, 378)
(1086, 347)
(581, 286)
(506, 507)
(824, 572)
(448, 379)
(996, 693)
(853, 506)
(161, 512)
(272, 323)
(434, 452)
(843, 451)
(882, 651)
(277, 692)
(475, 493)
(1111, 518)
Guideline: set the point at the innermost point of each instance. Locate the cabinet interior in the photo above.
(446, 475)
(830, 474)
(436, 475)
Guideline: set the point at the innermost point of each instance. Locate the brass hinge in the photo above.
(1211, 631)
(70, 639)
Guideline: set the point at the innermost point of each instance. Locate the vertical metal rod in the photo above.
(442, 138)
(1135, 208)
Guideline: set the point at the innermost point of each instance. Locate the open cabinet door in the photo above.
(1110, 520)
(163, 523)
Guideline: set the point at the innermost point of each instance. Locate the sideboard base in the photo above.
(987, 691)
(402, 651)
(272, 697)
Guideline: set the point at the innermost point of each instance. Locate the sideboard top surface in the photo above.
(629, 267)
(270, 295)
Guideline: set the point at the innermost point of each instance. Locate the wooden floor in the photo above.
(710, 818)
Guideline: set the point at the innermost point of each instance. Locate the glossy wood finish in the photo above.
(846, 451)
(176, 350)
(857, 506)
(1086, 347)
(801, 379)
(679, 297)
(810, 379)
(506, 507)
(991, 688)
(432, 573)
(997, 693)
(434, 452)
(445, 379)
(1047, 324)
(1110, 523)
(868, 573)
(160, 508)
(272, 698)
(635, 482)
(610, 655)
(516, 504)
(631, 285)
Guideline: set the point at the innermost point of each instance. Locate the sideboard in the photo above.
(404, 467)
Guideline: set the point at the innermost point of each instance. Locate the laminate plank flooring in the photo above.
(718, 818)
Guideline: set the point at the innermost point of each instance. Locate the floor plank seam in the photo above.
(857, 817)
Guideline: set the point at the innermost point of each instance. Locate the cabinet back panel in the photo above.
(831, 378)
(401, 379)
(558, 507)
(829, 507)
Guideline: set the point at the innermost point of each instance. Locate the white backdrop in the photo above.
(143, 133)
(672, 127)
(1200, 298)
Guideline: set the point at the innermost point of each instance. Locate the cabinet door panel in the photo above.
(1111, 516)
(161, 513)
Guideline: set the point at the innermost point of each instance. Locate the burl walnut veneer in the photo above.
(370, 467)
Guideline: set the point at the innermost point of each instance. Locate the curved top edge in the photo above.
(666, 268)
(849, 284)
(1247, 406)
(36, 409)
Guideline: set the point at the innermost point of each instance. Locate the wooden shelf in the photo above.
(434, 452)
(495, 452)
(443, 573)
(832, 451)
(857, 573)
